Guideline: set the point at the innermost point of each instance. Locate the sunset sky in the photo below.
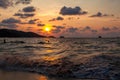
(70, 18)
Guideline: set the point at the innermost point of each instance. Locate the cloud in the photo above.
(99, 14)
(72, 30)
(86, 28)
(29, 9)
(23, 1)
(24, 15)
(106, 29)
(115, 28)
(7, 3)
(94, 31)
(10, 20)
(70, 18)
(7, 25)
(26, 12)
(59, 18)
(72, 11)
(32, 21)
(40, 24)
(57, 29)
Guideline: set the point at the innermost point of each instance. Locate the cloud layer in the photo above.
(26, 12)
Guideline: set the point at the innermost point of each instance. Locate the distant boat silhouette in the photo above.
(62, 37)
(4, 41)
(99, 36)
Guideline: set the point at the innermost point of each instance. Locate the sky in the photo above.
(69, 18)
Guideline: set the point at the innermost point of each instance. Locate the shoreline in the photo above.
(100, 66)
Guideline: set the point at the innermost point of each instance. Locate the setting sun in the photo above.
(47, 28)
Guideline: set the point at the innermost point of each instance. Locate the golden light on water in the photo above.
(48, 58)
(43, 78)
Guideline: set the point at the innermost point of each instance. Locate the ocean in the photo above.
(59, 58)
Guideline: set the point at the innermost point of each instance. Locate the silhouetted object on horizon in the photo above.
(17, 42)
(16, 33)
(51, 37)
(4, 41)
(41, 42)
(62, 37)
(99, 36)
(47, 41)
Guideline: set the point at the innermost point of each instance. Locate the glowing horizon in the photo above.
(72, 18)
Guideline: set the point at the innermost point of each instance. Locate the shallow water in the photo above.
(15, 75)
(81, 58)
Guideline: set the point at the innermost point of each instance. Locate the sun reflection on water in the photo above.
(50, 58)
(43, 77)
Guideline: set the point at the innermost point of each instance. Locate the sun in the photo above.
(47, 28)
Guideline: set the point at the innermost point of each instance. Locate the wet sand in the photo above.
(18, 75)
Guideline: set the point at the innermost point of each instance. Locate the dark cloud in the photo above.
(23, 1)
(19, 14)
(99, 14)
(87, 28)
(32, 21)
(72, 30)
(115, 28)
(106, 29)
(26, 12)
(10, 20)
(29, 9)
(40, 24)
(57, 29)
(72, 11)
(52, 19)
(29, 15)
(59, 18)
(70, 18)
(94, 31)
(24, 15)
(7, 3)
(7, 25)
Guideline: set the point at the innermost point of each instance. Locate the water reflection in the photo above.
(43, 77)
(50, 58)
(15, 75)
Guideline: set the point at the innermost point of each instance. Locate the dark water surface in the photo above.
(15, 75)
(71, 59)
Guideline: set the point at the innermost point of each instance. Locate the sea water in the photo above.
(71, 58)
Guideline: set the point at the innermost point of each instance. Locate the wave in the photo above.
(96, 66)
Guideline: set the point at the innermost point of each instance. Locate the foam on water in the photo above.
(78, 58)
